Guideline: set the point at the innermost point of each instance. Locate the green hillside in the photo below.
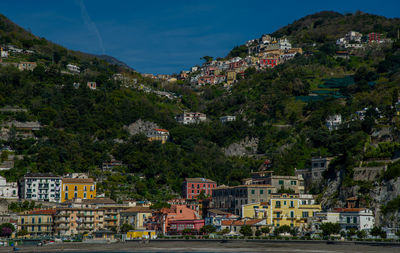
(83, 128)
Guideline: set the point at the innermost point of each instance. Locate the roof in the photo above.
(161, 130)
(78, 180)
(216, 211)
(240, 222)
(41, 175)
(245, 186)
(44, 212)
(348, 210)
(199, 180)
(91, 201)
(137, 209)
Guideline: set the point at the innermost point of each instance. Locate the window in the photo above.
(305, 214)
(261, 191)
(33, 220)
(66, 188)
(293, 182)
(277, 204)
(348, 219)
(84, 195)
(75, 195)
(66, 196)
(291, 214)
(281, 182)
(84, 188)
(39, 228)
(269, 191)
(76, 188)
(40, 220)
(291, 225)
(253, 191)
(22, 220)
(284, 203)
(278, 215)
(354, 219)
(291, 204)
(33, 228)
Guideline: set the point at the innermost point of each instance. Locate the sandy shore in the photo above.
(211, 246)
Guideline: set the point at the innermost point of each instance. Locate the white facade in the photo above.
(40, 186)
(8, 190)
(227, 118)
(359, 218)
(191, 117)
(73, 68)
(284, 44)
(4, 54)
(333, 122)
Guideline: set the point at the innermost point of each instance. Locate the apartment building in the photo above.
(231, 199)
(74, 188)
(40, 186)
(193, 187)
(135, 216)
(265, 177)
(37, 222)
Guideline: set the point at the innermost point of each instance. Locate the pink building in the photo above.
(178, 226)
(161, 220)
(192, 187)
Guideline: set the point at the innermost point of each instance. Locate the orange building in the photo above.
(78, 188)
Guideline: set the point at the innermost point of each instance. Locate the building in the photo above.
(294, 210)
(140, 234)
(92, 85)
(231, 77)
(231, 199)
(193, 187)
(108, 166)
(358, 218)
(78, 220)
(191, 117)
(136, 216)
(27, 66)
(4, 53)
(374, 37)
(73, 68)
(8, 190)
(40, 186)
(161, 220)
(227, 118)
(234, 226)
(333, 122)
(265, 177)
(37, 222)
(319, 165)
(324, 217)
(255, 210)
(157, 134)
(215, 217)
(74, 188)
(177, 226)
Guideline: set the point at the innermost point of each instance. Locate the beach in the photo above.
(214, 246)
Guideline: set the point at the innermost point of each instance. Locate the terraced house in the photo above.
(37, 222)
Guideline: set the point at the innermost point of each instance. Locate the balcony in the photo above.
(111, 218)
(88, 221)
(62, 221)
(84, 214)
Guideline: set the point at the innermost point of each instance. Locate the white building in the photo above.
(8, 190)
(40, 186)
(358, 218)
(353, 36)
(4, 53)
(190, 117)
(73, 68)
(333, 122)
(227, 118)
(284, 44)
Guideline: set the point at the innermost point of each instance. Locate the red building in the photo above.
(192, 187)
(269, 62)
(177, 226)
(374, 37)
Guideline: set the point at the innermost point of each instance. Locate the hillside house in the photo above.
(333, 122)
(190, 118)
(8, 190)
(92, 85)
(73, 68)
(192, 187)
(27, 66)
(227, 118)
(358, 218)
(157, 134)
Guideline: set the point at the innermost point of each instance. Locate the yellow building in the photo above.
(139, 234)
(74, 188)
(37, 222)
(294, 210)
(255, 210)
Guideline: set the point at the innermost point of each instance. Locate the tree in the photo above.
(378, 231)
(330, 228)
(265, 230)
(22, 232)
(351, 232)
(246, 230)
(6, 229)
(208, 229)
(207, 58)
(258, 232)
(361, 234)
(224, 231)
(126, 227)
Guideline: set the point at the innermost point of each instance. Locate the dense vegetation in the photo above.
(83, 127)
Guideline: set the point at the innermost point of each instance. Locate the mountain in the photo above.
(329, 25)
(114, 61)
(281, 115)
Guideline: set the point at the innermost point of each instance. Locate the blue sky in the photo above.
(166, 36)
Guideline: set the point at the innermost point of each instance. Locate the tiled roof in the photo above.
(44, 212)
(199, 180)
(349, 210)
(161, 130)
(78, 180)
(137, 209)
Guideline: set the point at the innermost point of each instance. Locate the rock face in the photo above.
(141, 126)
(245, 147)
(381, 194)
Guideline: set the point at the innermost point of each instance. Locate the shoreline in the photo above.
(217, 246)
